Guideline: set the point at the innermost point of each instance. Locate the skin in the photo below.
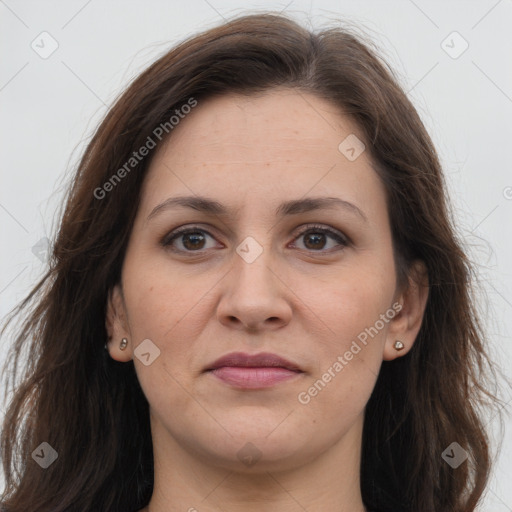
(306, 302)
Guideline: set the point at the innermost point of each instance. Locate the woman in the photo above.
(256, 301)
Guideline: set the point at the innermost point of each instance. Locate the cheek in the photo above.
(158, 297)
(167, 309)
(352, 301)
(171, 309)
(349, 354)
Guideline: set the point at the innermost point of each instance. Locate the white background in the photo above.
(50, 107)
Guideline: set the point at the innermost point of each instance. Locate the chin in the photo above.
(254, 448)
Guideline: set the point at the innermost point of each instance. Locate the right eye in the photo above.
(189, 239)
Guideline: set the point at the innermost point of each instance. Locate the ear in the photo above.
(117, 325)
(406, 324)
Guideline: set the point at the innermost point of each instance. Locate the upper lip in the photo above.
(263, 359)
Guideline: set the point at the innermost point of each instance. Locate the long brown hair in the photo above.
(91, 409)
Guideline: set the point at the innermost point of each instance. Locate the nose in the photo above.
(254, 297)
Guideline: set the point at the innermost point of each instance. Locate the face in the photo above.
(282, 248)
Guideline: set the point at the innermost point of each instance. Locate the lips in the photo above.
(262, 360)
(246, 371)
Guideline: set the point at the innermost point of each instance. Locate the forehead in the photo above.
(283, 121)
(243, 148)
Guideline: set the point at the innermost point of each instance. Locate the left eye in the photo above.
(316, 239)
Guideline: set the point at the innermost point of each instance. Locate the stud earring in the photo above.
(398, 345)
(123, 344)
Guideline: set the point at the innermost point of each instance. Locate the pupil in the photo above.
(318, 240)
(193, 240)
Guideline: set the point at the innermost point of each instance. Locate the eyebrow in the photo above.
(293, 207)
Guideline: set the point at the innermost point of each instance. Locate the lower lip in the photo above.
(253, 378)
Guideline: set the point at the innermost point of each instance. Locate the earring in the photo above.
(398, 345)
(123, 344)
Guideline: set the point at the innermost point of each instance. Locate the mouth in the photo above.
(256, 371)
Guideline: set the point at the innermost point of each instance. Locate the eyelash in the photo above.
(310, 228)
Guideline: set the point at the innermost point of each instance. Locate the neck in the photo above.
(329, 483)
